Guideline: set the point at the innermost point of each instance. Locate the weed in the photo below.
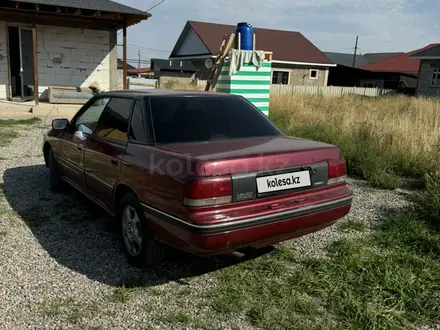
(73, 311)
(12, 122)
(372, 137)
(6, 136)
(387, 280)
(121, 294)
(355, 225)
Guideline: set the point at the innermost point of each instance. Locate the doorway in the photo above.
(21, 63)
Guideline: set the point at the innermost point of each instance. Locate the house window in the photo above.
(280, 77)
(435, 81)
(313, 74)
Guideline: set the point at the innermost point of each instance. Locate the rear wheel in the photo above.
(139, 245)
(55, 181)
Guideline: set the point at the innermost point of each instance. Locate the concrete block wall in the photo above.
(66, 57)
(3, 61)
(299, 75)
(424, 87)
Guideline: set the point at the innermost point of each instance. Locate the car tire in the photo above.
(146, 253)
(55, 181)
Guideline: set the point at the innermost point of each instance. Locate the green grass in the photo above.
(121, 294)
(352, 225)
(69, 309)
(8, 126)
(185, 321)
(388, 280)
(178, 317)
(13, 122)
(6, 136)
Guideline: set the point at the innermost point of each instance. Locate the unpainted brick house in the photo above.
(60, 43)
(296, 61)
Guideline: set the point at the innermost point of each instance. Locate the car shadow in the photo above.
(82, 237)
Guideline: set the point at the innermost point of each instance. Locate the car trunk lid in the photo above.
(261, 167)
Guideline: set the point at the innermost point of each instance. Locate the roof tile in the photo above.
(103, 5)
(285, 45)
(399, 63)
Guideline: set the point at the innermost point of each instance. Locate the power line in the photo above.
(131, 46)
(161, 2)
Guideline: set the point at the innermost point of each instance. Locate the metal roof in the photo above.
(433, 52)
(172, 65)
(286, 45)
(399, 63)
(102, 5)
(346, 59)
(376, 57)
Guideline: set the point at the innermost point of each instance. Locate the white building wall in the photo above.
(3, 61)
(84, 56)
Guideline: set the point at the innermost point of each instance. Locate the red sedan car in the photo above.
(206, 173)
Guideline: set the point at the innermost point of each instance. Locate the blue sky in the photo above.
(332, 25)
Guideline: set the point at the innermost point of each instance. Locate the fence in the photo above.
(141, 83)
(330, 90)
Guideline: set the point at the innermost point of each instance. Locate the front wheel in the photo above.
(139, 245)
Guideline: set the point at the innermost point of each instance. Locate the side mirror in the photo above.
(60, 124)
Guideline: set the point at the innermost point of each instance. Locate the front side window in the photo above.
(182, 119)
(88, 120)
(113, 123)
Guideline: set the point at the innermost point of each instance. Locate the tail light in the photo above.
(337, 171)
(208, 191)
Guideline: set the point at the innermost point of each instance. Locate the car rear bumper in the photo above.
(252, 232)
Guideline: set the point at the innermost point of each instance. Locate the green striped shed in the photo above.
(250, 82)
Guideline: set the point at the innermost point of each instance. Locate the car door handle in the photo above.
(114, 161)
(80, 147)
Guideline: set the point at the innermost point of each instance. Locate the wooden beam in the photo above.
(124, 57)
(57, 20)
(35, 58)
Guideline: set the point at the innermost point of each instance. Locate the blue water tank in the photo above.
(247, 36)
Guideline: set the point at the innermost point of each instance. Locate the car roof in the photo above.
(162, 92)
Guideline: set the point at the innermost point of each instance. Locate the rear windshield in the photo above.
(180, 119)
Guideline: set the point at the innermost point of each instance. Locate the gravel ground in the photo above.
(62, 267)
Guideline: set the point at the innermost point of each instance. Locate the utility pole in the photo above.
(355, 50)
(139, 59)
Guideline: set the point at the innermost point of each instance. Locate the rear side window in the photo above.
(180, 119)
(138, 125)
(113, 123)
